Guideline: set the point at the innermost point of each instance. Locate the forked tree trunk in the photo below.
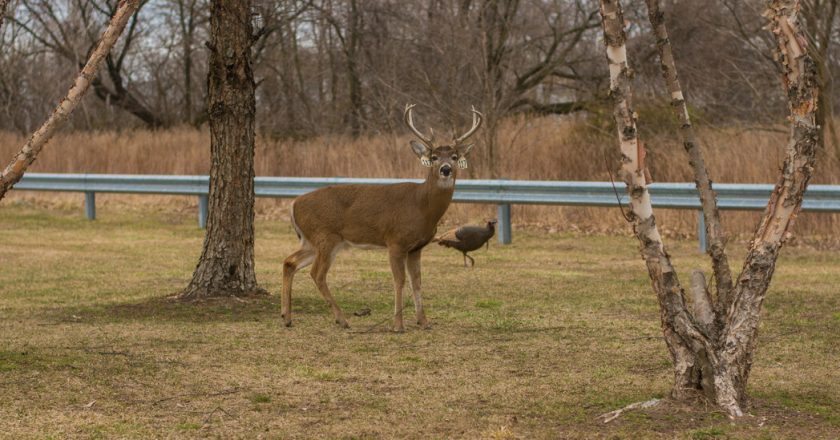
(26, 156)
(715, 358)
(226, 266)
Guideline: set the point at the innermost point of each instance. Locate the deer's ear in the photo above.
(423, 152)
(420, 149)
(463, 151)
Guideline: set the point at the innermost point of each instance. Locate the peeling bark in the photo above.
(715, 359)
(673, 312)
(26, 156)
(801, 84)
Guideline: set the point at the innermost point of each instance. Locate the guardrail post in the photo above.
(90, 205)
(701, 231)
(504, 224)
(202, 211)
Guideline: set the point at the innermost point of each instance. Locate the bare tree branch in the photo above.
(14, 171)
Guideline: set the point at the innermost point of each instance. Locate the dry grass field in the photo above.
(536, 341)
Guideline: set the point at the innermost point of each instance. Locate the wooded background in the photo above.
(334, 75)
(349, 66)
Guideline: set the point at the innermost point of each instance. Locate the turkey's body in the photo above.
(468, 238)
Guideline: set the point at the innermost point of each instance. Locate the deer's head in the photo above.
(443, 159)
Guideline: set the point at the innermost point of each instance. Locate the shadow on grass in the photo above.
(169, 309)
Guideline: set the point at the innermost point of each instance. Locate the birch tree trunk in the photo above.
(715, 359)
(708, 197)
(226, 265)
(26, 156)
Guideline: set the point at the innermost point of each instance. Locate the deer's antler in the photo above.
(477, 119)
(409, 121)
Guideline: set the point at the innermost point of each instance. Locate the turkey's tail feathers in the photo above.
(445, 243)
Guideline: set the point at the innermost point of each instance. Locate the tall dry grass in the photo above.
(530, 148)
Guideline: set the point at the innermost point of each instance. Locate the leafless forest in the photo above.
(333, 76)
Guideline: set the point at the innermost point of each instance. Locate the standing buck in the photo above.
(401, 217)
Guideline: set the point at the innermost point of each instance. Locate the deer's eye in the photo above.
(454, 157)
(434, 158)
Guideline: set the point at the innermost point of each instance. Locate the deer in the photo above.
(401, 218)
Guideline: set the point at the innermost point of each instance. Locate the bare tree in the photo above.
(820, 15)
(507, 79)
(3, 4)
(187, 21)
(349, 36)
(342, 66)
(57, 29)
(707, 357)
(14, 171)
(226, 265)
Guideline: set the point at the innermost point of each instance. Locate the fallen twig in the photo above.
(612, 415)
(209, 417)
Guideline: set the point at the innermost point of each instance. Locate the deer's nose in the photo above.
(446, 170)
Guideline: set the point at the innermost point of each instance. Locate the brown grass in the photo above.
(535, 342)
(540, 149)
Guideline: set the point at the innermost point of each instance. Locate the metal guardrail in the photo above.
(504, 193)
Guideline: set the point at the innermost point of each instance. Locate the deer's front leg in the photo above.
(398, 259)
(412, 263)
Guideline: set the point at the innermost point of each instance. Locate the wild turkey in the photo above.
(468, 238)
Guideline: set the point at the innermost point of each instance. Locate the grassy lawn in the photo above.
(535, 342)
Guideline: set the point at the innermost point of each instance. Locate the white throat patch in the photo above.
(445, 183)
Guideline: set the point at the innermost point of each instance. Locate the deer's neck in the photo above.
(434, 198)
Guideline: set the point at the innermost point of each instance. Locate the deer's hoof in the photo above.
(342, 323)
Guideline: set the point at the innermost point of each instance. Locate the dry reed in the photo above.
(530, 148)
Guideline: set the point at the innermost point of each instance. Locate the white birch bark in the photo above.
(801, 87)
(26, 156)
(708, 197)
(718, 366)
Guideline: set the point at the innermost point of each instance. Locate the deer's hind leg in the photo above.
(324, 256)
(296, 261)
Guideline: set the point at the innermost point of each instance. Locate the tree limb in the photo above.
(691, 350)
(801, 85)
(708, 198)
(3, 4)
(14, 171)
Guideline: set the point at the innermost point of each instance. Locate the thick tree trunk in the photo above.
(226, 266)
(26, 156)
(715, 359)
